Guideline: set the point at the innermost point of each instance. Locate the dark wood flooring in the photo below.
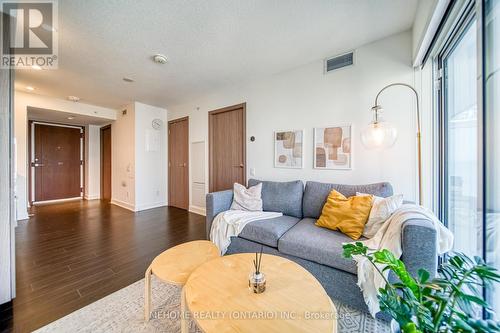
(72, 254)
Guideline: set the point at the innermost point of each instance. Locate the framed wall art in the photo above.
(333, 147)
(288, 149)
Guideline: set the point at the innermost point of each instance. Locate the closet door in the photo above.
(178, 163)
(227, 147)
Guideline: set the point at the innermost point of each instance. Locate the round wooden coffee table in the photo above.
(175, 265)
(218, 297)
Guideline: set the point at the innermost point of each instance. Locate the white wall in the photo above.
(24, 100)
(150, 157)
(123, 159)
(7, 221)
(304, 98)
(139, 175)
(93, 162)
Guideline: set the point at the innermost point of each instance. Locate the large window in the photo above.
(469, 112)
(458, 64)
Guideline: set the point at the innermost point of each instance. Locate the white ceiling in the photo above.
(59, 117)
(209, 44)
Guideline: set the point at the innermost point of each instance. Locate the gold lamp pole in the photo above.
(382, 134)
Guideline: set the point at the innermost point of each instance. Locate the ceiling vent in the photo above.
(338, 62)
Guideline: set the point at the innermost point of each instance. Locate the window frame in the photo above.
(462, 25)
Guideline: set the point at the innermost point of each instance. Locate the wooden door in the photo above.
(57, 162)
(106, 163)
(227, 147)
(178, 163)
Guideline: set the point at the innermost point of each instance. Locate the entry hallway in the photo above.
(72, 254)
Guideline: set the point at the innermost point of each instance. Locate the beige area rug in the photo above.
(123, 311)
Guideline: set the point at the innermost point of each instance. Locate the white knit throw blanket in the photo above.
(231, 223)
(389, 237)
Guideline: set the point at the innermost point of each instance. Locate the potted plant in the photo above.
(451, 302)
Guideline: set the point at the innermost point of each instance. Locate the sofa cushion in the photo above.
(324, 246)
(316, 193)
(284, 197)
(268, 231)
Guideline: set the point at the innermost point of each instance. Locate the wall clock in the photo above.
(156, 124)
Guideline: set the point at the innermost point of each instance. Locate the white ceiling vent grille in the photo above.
(338, 62)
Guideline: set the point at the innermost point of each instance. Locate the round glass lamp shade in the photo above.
(379, 135)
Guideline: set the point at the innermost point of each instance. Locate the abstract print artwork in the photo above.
(332, 147)
(288, 149)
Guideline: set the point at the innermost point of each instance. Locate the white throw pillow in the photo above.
(382, 209)
(247, 198)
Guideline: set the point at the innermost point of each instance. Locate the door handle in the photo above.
(239, 166)
(37, 164)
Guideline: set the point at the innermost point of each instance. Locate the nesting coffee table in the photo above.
(217, 295)
(174, 266)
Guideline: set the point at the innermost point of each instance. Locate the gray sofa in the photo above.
(319, 250)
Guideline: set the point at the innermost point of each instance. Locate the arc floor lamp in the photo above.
(382, 134)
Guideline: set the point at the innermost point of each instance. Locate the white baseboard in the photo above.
(139, 208)
(198, 210)
(150, 206)
(123, 204)
(47, 202)
(92, 197)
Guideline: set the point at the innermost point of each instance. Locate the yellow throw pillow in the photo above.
(347, 215)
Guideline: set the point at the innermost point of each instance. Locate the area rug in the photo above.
(123, 311)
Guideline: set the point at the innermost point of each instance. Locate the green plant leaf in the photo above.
(398, 267)
(475, 299)
(446, 303)
(410, 328)
(423, 276)
(351, 249)
(460, 325)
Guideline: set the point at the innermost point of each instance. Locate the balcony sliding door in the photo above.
(460, 140)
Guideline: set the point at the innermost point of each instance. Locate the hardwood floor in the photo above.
(72, 254)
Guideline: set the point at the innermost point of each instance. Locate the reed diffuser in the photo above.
(257, 279)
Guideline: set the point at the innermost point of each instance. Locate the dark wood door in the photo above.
(178, 163)
(106, 163)
(57, 159)
(227, 147)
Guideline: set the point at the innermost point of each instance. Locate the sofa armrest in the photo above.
(217, 202)
(419, 245)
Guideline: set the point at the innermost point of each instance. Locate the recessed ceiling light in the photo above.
(160, 59)
(36, 67)
(71, 118)
(30, 88)
(127, 79)
(74, 98)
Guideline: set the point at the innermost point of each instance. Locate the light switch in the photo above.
(252, 171)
